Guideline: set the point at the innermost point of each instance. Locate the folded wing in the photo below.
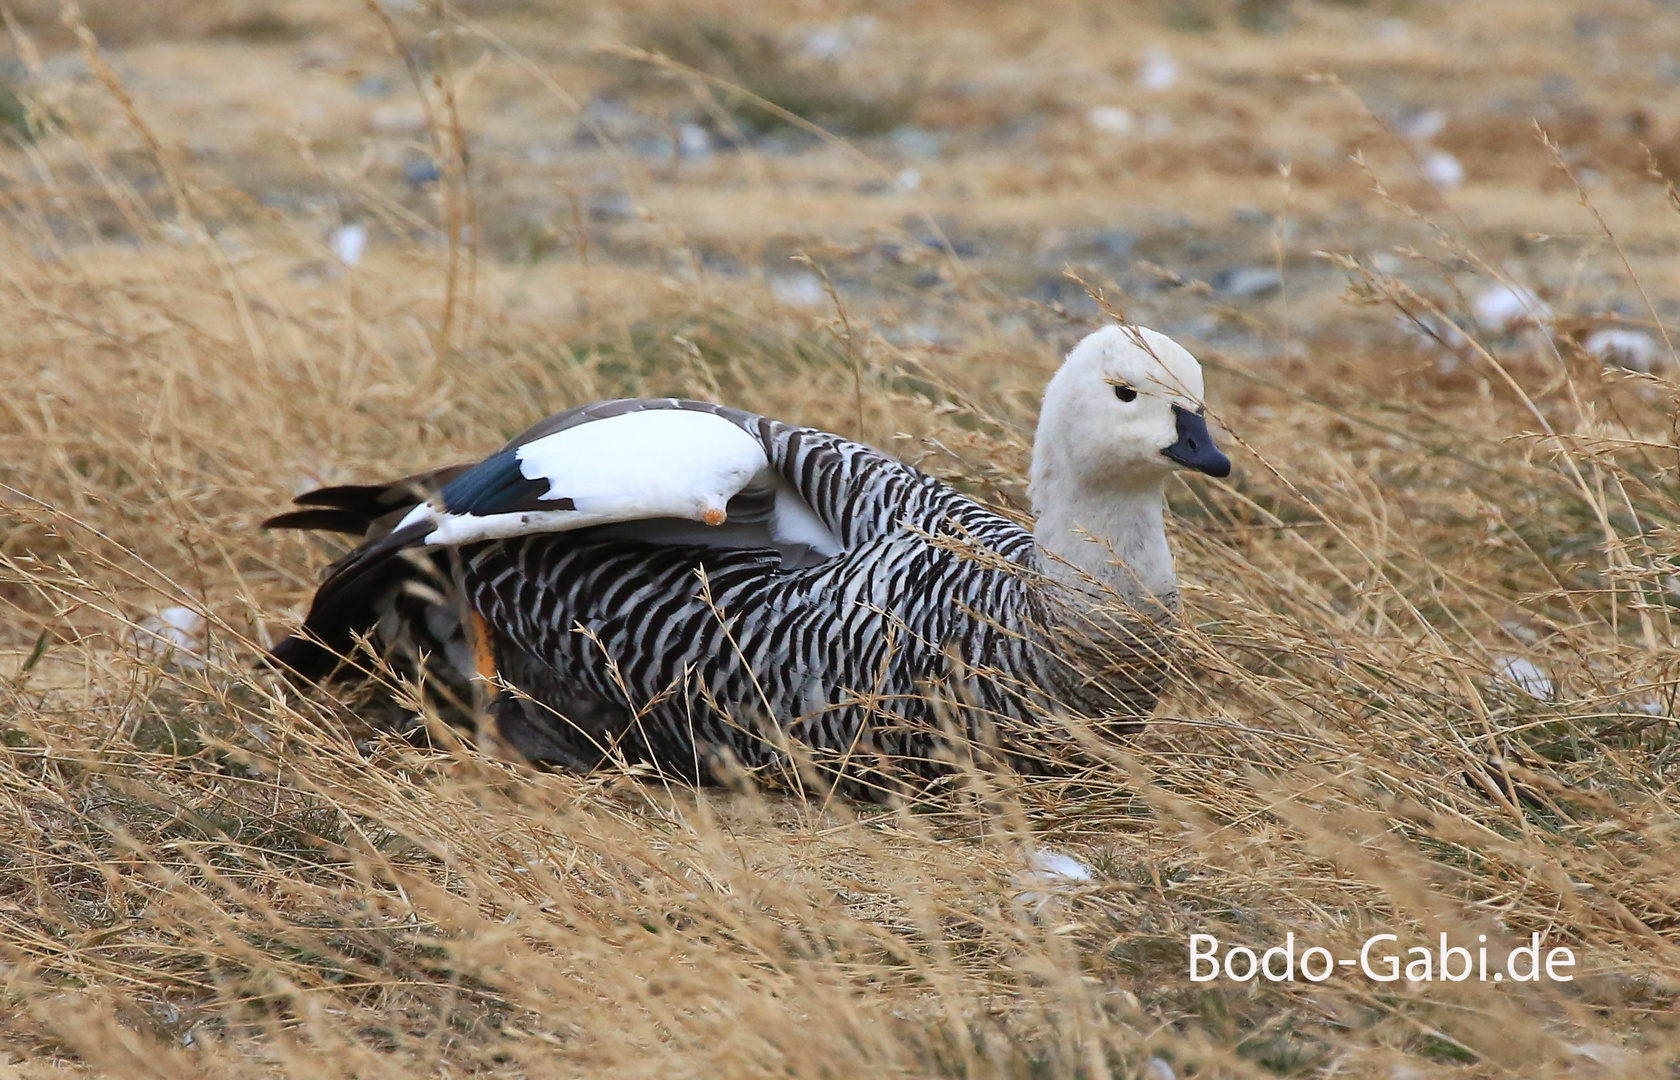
(652, 463)
(653, 470)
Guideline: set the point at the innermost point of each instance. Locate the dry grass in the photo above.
(203, 875)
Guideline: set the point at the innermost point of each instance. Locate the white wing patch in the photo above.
(659, 463)
(665, 462)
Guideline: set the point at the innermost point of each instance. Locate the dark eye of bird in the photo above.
(1124, 392)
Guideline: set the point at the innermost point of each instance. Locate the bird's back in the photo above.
(677, 655)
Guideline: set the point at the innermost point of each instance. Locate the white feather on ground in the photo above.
(1525, 675)
(1631, 349)
(1502, 308)
(1050, 875)
(173, 635)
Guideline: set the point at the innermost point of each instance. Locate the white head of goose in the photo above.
(1121, 413)
(697, 587)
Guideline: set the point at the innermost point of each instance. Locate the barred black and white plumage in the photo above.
(697, 587)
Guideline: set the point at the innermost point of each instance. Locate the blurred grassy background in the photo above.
(1427, 252)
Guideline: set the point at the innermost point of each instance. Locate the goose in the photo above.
(708, 592)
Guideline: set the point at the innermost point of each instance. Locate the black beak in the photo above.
(1194, 448)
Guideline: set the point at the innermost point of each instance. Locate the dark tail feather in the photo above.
(346, 603)
(303, 658)
(362, 496)
(339, 521)
(357, 508)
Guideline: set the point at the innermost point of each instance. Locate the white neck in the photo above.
(1108, 538)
